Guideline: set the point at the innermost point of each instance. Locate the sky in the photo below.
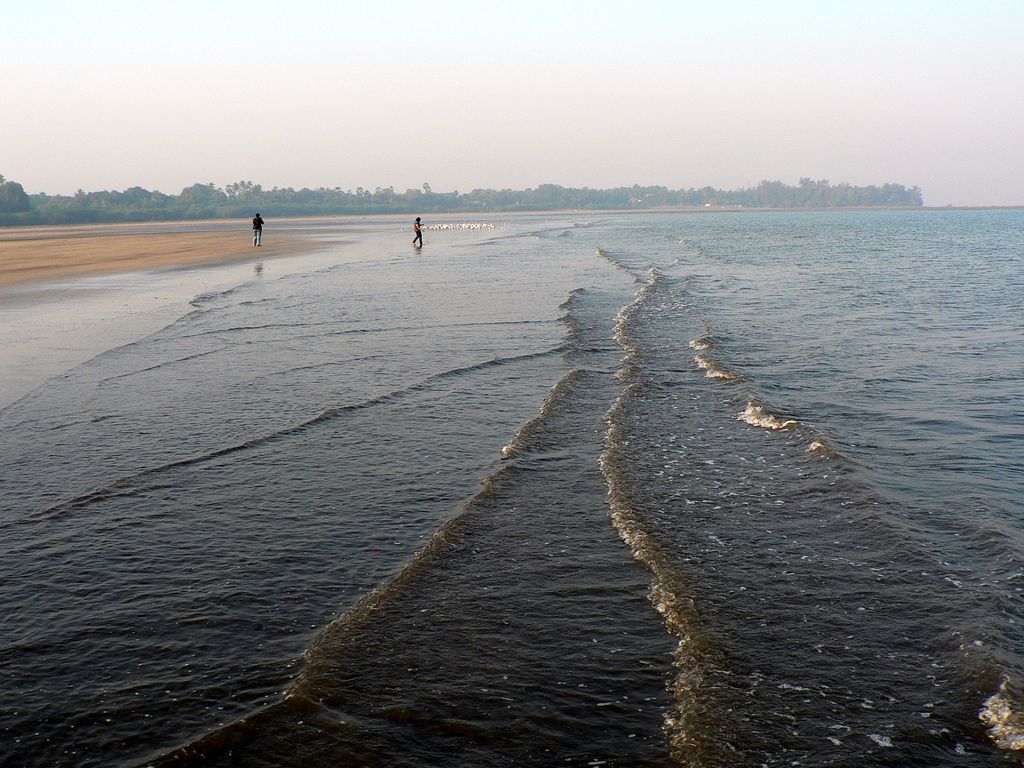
(460, 95)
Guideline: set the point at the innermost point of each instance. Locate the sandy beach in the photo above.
(45, 254)
(68, 293)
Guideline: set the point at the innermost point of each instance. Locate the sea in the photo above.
(725, 488)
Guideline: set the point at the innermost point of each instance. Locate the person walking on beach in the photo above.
(257, 230)
(417, 239)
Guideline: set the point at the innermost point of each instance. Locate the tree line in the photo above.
(243, 198)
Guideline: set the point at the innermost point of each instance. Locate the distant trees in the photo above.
(202, 201)
(808, 193)
(12, 197)
(243, 198)
(243, 190)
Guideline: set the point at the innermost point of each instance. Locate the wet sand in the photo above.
(45, 254)
(69, 293)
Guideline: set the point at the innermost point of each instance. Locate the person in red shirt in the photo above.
(417, 239)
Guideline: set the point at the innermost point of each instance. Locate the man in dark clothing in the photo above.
(417, 239)
(257, 230)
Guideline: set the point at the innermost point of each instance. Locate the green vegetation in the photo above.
(243, 198)
(13, 198)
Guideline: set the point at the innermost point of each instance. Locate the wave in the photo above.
(557, 394)
(820, 447)
(13, 405)
(574, 296)
(711, 367)
(322, 656)
(1004, 718)
(255, 302)
(573, 346)
(122, 485)
(622, 332)
(697, 249)
(265, 327)
(574, 333)
(164, 364)
(627, 372)
(667, 594)
(602, 254)
(203, 299)
(714, 370)
(356, 331)
(326, 656)
(668, 591)
(758, 415)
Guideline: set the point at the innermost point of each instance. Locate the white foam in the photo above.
(1005, 724)
(625, 315)
(666, 594)
(713, 370)
(819, 446)
(758, 416)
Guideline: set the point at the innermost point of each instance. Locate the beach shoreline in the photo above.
(59, 253)
(70, 293)
(34, 256)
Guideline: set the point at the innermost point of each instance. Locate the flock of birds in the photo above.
(462, 225)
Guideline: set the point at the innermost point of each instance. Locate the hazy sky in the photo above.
(108, 95)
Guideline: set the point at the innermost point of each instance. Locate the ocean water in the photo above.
(680, 489)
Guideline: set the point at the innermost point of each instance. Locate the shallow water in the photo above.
(833, 485)
(641, 490)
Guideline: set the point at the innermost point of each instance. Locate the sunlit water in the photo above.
(718, 489)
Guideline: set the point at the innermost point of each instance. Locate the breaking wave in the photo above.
(668, 594)
(1004, 719)
(714, 370)
(702, 344)
(759, 415)
(626, 315)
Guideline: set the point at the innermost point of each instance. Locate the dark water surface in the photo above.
(706, 490)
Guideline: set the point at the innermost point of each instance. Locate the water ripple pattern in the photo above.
(705, 490)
